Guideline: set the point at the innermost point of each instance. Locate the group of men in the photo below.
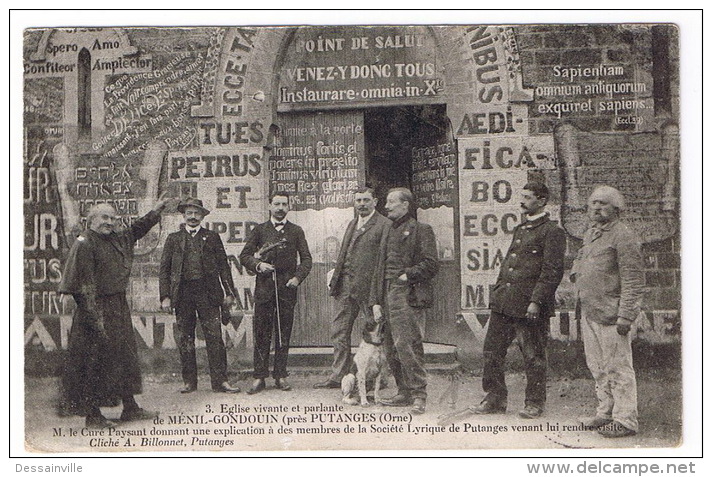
(381, 264)
(384, 272)
(608, 278)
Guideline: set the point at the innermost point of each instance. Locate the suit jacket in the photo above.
(363, 257)
(609, 274)
(532, 269)
(284, 259)
(417, 245)
(216, 270)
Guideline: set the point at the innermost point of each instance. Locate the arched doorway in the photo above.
(363, 106)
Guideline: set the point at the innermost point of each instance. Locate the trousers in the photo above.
(609, 356)
(264, 327)
(193, 305)
(403, 337)
(348, 310)
(531, 338)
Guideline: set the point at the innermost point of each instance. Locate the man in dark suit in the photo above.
(522, 301)
(271, 251)
(195, 279)
(400, 293)
(351, 282)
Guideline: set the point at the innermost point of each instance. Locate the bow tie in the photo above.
(279, 224)
(193, 233)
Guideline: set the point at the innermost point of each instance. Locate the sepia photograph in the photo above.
(452, 236)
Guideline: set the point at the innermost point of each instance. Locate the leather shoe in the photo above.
(615, 429)
(98, 422)
(281, 383)
(226, 388)
(399, 400)
(257, 386)
(328, 384)
(418, 406)
(596, 422)
(188, 388)
(137, 414)
(531, 412)
(488, 407)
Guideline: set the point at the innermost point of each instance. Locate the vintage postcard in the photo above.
(450, 175)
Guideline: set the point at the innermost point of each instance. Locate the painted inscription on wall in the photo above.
(152, 106)
(44, 245)
(493, 171)
(230, 182)
(319, 160)
(332, 65)
(646, 172)
(596, 90)
(434, 175)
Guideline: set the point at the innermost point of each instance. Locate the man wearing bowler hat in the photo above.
(195, 280)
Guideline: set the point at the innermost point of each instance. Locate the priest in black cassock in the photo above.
(103, 361)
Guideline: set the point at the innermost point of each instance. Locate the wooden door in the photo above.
(318, 159)
(433, 158)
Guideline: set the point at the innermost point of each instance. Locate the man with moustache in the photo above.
(195, 279)
(400, 293)
(351, 281)
(271, 251)
(103, 360)
(609, 278)
(521, 303)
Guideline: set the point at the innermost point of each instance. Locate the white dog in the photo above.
(369, 367)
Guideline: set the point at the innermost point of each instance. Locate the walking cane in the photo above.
(276, 298)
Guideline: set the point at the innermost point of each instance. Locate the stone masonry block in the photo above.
(554, 41)
(529, 42)
(581, 57)
(659, 246)
(548, 57)
(668, 261)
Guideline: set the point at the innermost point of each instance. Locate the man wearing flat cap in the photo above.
(609, 278)
(195, 281)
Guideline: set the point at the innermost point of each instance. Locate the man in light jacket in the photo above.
(608, 273)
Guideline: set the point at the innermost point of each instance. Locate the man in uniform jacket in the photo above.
(195, 279)
(400, 293)
(102, 361)
(609, 278)
(350, 283)
(271, 251)
(522, 301)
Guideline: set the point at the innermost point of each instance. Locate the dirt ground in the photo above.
(308, 419)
